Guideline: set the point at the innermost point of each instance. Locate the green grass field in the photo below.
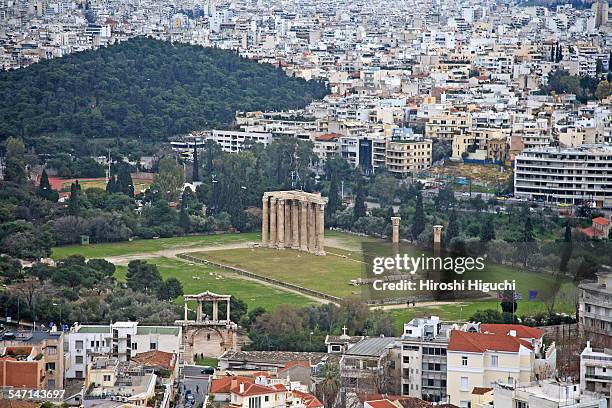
(151, 245)
(215, 280)
(330, 274)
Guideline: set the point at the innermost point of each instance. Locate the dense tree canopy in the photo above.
(142, 89)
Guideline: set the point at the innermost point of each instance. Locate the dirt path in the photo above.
(172, 252)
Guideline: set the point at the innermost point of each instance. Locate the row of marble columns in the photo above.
(215, 312)
(293, 223)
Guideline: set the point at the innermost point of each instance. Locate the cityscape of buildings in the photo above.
(413, 84)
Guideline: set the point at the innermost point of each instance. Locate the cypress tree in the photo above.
(552, 54)
(334, 200)
(418, 224)
(452, 230)
(44, 188)
(567, 247)
(73, 201)
(124, 183)
(196, 165)
(528, 231)
(359, 210)
(487, 231)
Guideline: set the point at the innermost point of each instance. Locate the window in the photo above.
(51, 350)
(464, 384)
(255, 402)
(78, 344)
(78, 359)
(465, 404)
(134, 346)
(50, 366)
(153, 346)
(464, 361)
(107, 377)
(266, 398)
(50, 384)
(494, 361)
(92, 343)
(406, 360)
(521, 404)
(78, 374)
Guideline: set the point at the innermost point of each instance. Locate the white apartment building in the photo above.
(596, 371)
(234, 142)
(595, 304)
(424, 347)
(581, 175)
(122, 340)
(547, 393)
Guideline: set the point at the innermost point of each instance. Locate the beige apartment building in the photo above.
(408, 156)
(497, 354)
(446, 125)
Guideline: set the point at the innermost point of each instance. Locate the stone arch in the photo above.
(209, 341)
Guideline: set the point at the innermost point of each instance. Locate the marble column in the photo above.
(311, 227)
(320, 229)
(295, 225)
(395, 225)
(215, 315)
(273, 212)
(185, 311)
(303, 226)
(280, 224)
(264, 221)
(199, 312)
(288, 237)
(227, 312)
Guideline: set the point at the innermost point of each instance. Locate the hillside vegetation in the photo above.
(143, 90)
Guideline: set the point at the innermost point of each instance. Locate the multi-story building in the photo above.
(548, 393)
(446, 125)
(596, 371)
(408, 156)
(234, 142)
(369, 367)
(423, 360)
(581, 175)
(121, 340)
(504, 354)
(32, 360)
(595, 304)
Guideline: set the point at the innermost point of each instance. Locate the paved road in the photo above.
(195, 381)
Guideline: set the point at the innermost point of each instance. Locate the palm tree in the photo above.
(330, 383)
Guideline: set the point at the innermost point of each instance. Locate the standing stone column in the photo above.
(295, 226)
(215, 315)
(288, 237)
(395, 225)
(185, 311)
(273, 236)
(303, 226)
(264, 221)
(280, 224)
(227, 311)
(320, 229)
(311, 227)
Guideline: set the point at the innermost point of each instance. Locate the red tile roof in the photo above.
(481, 390)
(384, 403)
(251, 389)
(481, 342)
(327, 137)
(309, 400)
(155, 358)
(601, 221)
(524, 332)
(223, 385)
